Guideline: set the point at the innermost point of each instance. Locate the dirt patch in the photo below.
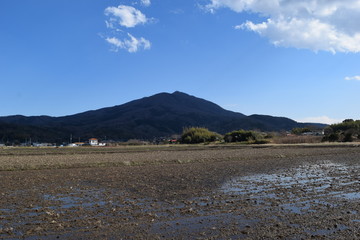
(254, 193)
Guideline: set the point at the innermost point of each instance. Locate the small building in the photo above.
(76, 144)
(42, 144)
(93, 141)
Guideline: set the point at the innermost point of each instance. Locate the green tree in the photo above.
(198, 135)
(346, 131)
(244, 136)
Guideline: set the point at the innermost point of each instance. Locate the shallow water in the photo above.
(326, 179)
(310, 190)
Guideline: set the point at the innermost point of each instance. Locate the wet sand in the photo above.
(235, 192)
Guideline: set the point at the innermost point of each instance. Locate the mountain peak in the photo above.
(159, 115)
(180, 93)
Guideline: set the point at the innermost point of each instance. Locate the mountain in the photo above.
(159, 115)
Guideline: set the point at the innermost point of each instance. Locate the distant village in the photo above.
(94, 142)
(174, 139)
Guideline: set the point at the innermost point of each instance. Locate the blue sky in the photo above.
(298, 59)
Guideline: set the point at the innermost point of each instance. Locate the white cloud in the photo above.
(125, 16)
(310, 24)
(146, 3)
(321, 119)
(122, 17)
(131, 44)
(356, 78)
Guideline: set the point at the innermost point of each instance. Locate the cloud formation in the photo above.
(131, 44)
(120, 20)
(328, 25)
(125, 16)
(356, 78)
(146, 3)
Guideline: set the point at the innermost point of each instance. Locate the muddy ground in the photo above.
(235, 192)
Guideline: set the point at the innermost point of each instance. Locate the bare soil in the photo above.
(203, 192)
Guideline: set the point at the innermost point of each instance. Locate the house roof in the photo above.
(93, 139)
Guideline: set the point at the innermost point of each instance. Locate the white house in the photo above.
(93, 141)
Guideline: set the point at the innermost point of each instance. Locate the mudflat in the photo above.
(201, 192)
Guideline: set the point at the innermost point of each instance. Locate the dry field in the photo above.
(181, 192)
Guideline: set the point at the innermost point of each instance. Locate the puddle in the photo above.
(327, 232)
(298, 208)
(308, 178)
(309, 191)
(295, 187)
(350, 196)
(72, 201)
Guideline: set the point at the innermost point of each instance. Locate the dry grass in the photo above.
(297, 139)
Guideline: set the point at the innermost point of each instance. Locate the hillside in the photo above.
(159, 115)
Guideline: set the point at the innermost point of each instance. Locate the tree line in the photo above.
(346, 131)
(203, 135)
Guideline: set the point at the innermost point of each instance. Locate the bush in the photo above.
(347, 131)
(348, 137)
(332, 137)
(198, 135)
(244, 136)
(262, 141)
